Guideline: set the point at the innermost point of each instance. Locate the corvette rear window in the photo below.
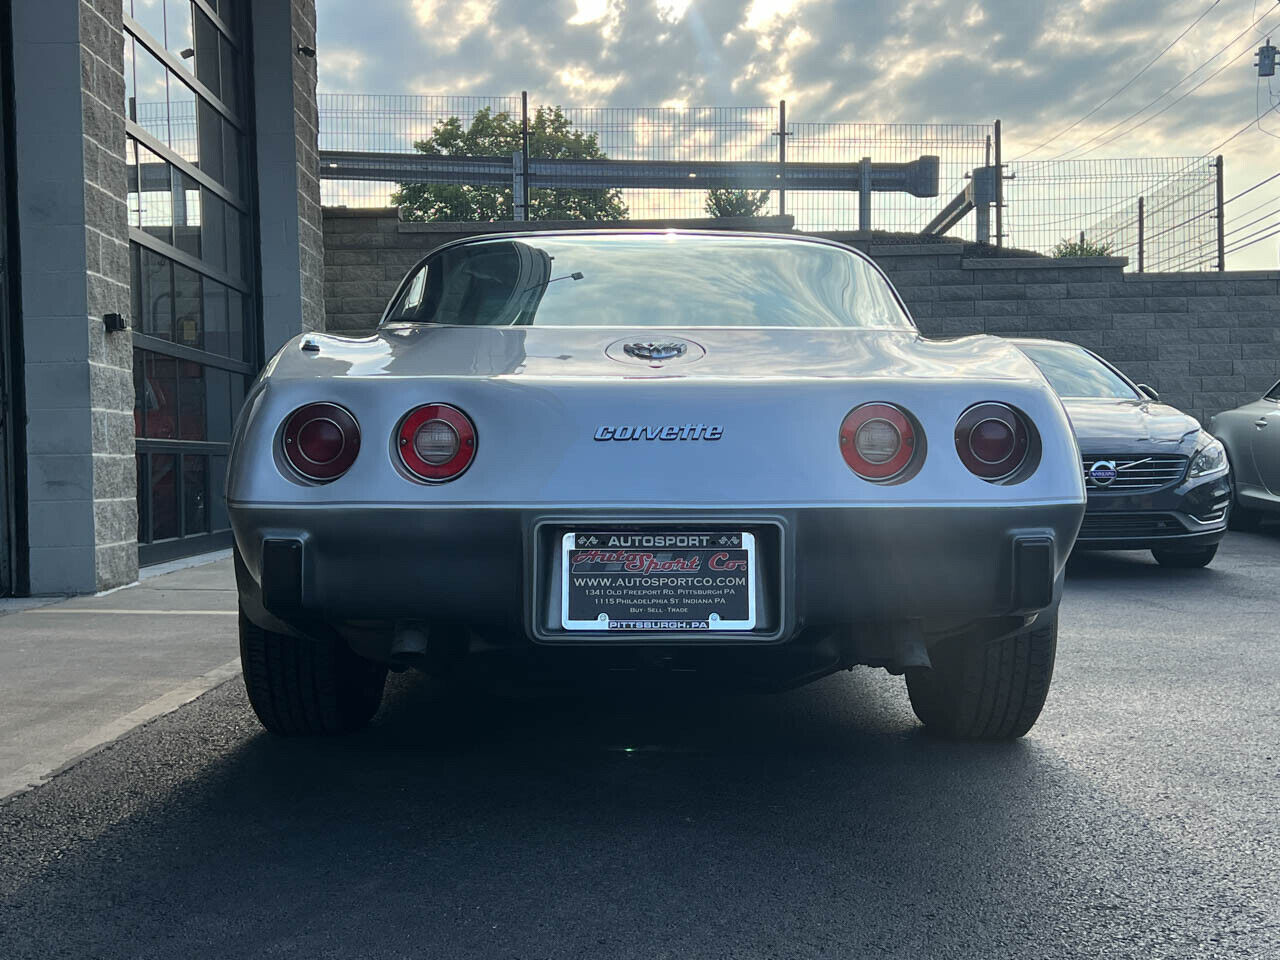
(648, 280)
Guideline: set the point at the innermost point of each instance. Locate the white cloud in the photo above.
(1037, 65)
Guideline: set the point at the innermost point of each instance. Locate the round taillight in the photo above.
(436, 442)
(878, 441)
(992, 440)
(321, 441)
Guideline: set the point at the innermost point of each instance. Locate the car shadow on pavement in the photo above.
(464, 824)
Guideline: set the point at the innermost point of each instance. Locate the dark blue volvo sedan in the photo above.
(1154, 479)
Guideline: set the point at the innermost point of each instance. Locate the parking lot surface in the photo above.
(1139, 818)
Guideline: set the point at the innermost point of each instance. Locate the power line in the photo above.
(1266, 236)
(1127, 84)
(1169, 90)
(1251, 189)
(1244, 213)
(1273, 224)
(1245, 226)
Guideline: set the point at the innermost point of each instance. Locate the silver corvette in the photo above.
(670, 453)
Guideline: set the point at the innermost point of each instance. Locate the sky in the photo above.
(1038, 66)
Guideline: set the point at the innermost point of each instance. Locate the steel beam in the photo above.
(917, 177)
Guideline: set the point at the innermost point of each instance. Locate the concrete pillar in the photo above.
(73, 237)
(288, 170)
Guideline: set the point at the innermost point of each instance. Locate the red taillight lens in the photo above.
(321, 441)
(878, 441)
(992, 440)
(437, 442)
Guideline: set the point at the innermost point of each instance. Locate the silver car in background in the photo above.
(1251, 434)
(661, 453)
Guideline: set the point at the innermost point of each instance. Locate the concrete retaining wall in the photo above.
(1206, 341)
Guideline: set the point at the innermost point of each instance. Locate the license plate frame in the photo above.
(654, 570)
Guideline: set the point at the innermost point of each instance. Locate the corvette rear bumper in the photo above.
(488, 568)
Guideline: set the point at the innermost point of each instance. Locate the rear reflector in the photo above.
(321, 441)
(437, 442)
(878, 441)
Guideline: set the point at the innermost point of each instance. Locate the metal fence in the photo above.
(783, 165)
(442, 157)
(1160, 212)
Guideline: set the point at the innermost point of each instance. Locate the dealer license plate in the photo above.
(658, 582)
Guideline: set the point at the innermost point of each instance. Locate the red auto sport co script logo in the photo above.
(635, 561)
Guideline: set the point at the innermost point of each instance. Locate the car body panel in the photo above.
(1251, 434)
(840, 555)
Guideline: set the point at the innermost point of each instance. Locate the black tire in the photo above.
(1184, 559)
(988, 690)
(305, 687)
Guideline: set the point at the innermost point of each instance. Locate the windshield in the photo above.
(1074, 372)
(648, 280)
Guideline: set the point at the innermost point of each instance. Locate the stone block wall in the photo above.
(72, 226)
(1206, 341)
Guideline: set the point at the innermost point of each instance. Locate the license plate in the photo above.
(658, 582)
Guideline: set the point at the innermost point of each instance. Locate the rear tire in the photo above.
(1184, 559)
(304, 687)
(988, 690)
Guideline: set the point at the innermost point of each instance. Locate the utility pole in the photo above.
(782, 135)
(522, 212)
(1266, 62)
(999, 191)
(1222, 245)
(1142, 235)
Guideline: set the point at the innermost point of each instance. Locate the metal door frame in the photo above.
(14, 573)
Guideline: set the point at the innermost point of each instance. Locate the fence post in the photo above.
(864, 195)
(1142, 233)
(999, 192)
(519, 204)
(782, 158)
(523, 209)
(1222, 246)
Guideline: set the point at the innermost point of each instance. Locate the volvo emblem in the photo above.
(663, 350)
(1102, 473)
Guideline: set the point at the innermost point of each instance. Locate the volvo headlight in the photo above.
(1210, 459)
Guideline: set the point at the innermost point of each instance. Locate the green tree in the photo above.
(551, 136)
(724, 202)
(1081, 248)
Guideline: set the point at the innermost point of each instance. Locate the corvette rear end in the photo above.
(725, 454)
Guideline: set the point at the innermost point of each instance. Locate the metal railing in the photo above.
(442, 157)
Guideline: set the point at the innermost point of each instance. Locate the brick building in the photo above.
(161, 237)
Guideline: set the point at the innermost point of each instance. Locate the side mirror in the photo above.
(1149, 391)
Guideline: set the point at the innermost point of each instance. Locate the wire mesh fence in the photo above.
(498, 158)
(960, 149)
(1160, 212)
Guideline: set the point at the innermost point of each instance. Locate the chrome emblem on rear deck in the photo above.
(665, 350)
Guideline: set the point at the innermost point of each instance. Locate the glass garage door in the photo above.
(190, 216)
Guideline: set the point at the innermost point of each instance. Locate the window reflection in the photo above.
(160, 396)
(164, 496)
(156, 295)
(187, 306)
(186, 214)
(155, 195)
(195, 495)
(150, 106)
(150, 13)
(183, 138)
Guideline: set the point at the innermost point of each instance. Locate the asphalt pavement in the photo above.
(1141, 817)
